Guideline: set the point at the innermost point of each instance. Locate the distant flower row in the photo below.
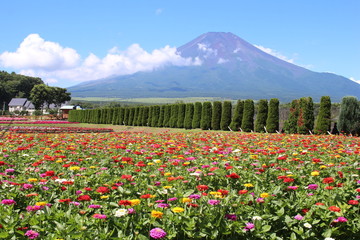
(30, 129)
(12, 119)
(37, 122)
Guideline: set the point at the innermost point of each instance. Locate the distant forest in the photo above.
(14, 85)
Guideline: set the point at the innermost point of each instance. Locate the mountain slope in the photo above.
(231, 67)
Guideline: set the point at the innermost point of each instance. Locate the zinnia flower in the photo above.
(157, 233)
(214, 202)
(121, 212)
(334, 209)
(156, 214)
(99, 216)
(8, 202)
(299, 217)
(31, 234)
(177, 209)
(249, 226)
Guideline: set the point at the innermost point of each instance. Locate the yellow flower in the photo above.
(32, 180)
(150, 163)
(156, 214)
(253, 157)
(40, 203)
(177, 209)
(264, 195)
(186, 163)
(315, 173)
(167, 174)
(323, 166)
(215, 193)
(134, 202)
(186, 200)
(157, 161)
(59, 161)
(74, 168)
(167, 187)
(92, 166)
(248, 185)
(104, 197)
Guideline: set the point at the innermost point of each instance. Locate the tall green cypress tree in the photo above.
(272, 121)
(323, 119)
(135, 118)
(197, 115)
(349, 118)
(247, 123)
(150, 115)
(206, 115)
(155, 117)
(189, 112)
(161, 117)
(121, 116)
(181, 115)
(226, 116)
(236, 121)
(174, 115)
(126, 115)
(140, 116)
(290, 125)
(306, 117)
(167, 115)
(261, 116)
(216, 115)
(131, 116)
(145, 116)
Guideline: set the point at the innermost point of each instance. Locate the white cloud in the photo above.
(274, 53)
(52, 62)
(34, 52)
(208, 51)
(222, 60)
(353, 79)
(159, 11)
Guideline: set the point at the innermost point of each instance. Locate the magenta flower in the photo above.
(231, 217)
(131, 211)
(313, 186)
(249, 226)
(31, 234)
(33, 208)
(94, 206)
(99, 216)
(214, 202)
(8, 202)
(194, 196)
(341, 219)
(157, 233)
(299, 217)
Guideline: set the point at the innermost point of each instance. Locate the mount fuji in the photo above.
(228, 67)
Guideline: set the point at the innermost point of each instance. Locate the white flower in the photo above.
(254, 218)
(121, 212)
(307, 225)
(329, 238)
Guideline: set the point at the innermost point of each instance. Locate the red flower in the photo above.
(334, 209)
(194, 205)
(145, 196)
(233, 175)
(328, 180)
(202, 187)
(66, 200)
(319, 204)
(223, 192)
(125, 203)
(49, 173)
(341, 175)
(353, 202)
(305, 210)
(84, 198)
(88, 189)
(103, 190)
(288, 180)
(243, 191)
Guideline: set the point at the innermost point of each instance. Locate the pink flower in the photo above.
(99, 216)
(299, 217)
(31, 234)
(157, 233)
(8, 202)
(214, 202)
(249, 226)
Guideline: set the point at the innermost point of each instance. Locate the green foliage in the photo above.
(272, 121)
(197, 115)
(247, 123)
(290, 125)
(226, 116)
(349, 119)
(216, 115)
(145, 116)
(167, 115)
(237, 117)
(261, 116)
(181, 115)
(306, 117)
(206, 114)
(42, 95)
(189, 113)
(323, 119)
(155, 116)
(174, 115)
(161, 117)
(140, 116)
(16, 86)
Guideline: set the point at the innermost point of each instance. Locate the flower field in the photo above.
(194, 185)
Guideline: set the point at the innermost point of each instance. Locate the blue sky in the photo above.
(66, 42)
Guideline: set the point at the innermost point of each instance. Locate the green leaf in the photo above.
(280, 212)
(293, 236)
(4, 234)
(266, 228)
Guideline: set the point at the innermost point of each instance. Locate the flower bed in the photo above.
(30, 129)
(11, 119)
(205, 185)
(39, 122)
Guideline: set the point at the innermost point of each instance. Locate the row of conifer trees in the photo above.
(222, 116)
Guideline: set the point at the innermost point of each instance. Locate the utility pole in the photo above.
(3, 111)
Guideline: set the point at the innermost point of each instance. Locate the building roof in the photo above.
(17, 102)
(67, 107)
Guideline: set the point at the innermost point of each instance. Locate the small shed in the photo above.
(65, 110)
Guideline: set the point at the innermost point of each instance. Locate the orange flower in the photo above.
(334, 209)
